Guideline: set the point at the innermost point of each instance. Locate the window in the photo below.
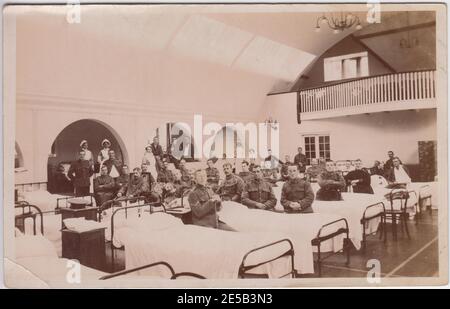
(317, 146)
(346, 66)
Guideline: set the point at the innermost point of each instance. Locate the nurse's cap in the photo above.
(83, 142)
(106, 141)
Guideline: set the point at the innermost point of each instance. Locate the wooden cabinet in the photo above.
(86, 247)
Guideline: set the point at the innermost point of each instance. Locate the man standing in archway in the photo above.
(114, 165)
(80, 172)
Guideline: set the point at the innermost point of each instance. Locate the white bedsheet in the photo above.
(42, 199)
(300, 228)
(52, 229)
(49, 271)
(212, 253)
(352, 208)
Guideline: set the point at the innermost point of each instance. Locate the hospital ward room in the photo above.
(184, 144)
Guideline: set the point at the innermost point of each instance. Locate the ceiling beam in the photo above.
(396, 30)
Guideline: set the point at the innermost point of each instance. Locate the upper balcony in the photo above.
(398, 91)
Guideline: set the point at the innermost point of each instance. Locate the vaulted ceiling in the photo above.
(139, 53)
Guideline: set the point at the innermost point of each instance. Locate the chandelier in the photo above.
(339, 24)
(269, 122)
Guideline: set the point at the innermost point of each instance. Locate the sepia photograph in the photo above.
(214, 145)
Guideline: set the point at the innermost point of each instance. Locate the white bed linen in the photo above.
(352, 208)
(52, 229)
(300, 228)
(54, 271)
(42, 199)
(212, 253)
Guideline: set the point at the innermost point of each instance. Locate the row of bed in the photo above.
(267, 243)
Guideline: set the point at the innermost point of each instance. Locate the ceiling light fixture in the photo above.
(344, 21)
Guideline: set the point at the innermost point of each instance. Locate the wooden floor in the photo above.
(417, 257)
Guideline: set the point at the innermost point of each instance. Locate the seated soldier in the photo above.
(134, 187)
(359, 179)
(175, 189)
(184, 171)
(104, 187)
(212, 173)
(246, 175)
(313, 171)
(284, 168)
(331, 184)
(296, 195)
(205, 204)
(258, 193)
(148, 183)
(123, 179)
(164, 174)
(231, 187)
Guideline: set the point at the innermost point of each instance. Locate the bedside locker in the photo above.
(86, 247)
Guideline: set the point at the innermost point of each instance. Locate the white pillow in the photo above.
(33, 246)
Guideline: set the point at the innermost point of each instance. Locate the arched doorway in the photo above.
(66, 146)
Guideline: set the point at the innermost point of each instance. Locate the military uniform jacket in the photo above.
(202, 207)
(164, 175)
(212, 175)
(258, 191)
(134, 187)
(79, 172)
(104, 184)
(331, 180)
(231, 188)
(299, 191)
(122, 181)
(246, 176)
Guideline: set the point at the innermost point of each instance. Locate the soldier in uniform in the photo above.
(123, 179)
(157, 152)
(296, 195)
(80, 172)
(258, 193)
(205, 204)
(231, 187)
(104, 187)
(164, 174)
(114, 165)
(134, 187)
(313, 171)
(212, 174)
(331, 183)
(246, 175)
(148, 182)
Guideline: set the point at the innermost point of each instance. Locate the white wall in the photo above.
(367, 136)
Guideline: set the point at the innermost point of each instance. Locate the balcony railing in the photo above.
(398, 87)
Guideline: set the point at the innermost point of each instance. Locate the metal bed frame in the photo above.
(125, 209)
(242, 268)
(173, 274)
(67, 198)
(29, 214)
(321, 238)
(365, 220)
